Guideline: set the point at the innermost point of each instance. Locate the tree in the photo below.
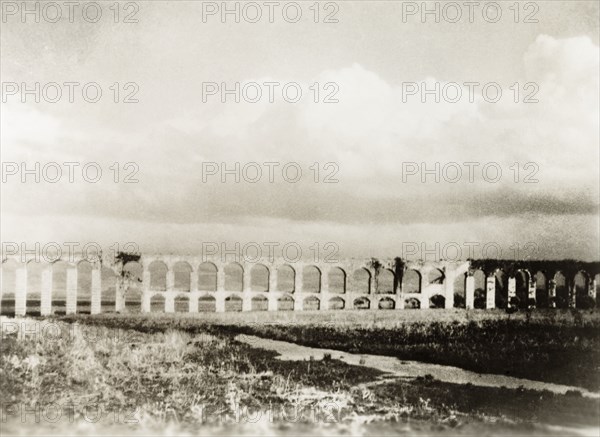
(124, 277)
(398, 272)
(375, 265)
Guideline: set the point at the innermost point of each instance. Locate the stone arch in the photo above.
(437, 301)
(386, 282)
(412, 303)
(234, 277)
(286, 278)
(411, 281)
(311, 279)
(480, 299)
(360, 281)
(233, 303)
(259, 278)
(561, 298)
(59, 285)
(157, 303)
(501, 298)
(158, 275)
(285, 303)
(336, 303)
(84, 287)
(259, 303)
(135, 270)
(522, 288)
(207, 277)
(182, 276)
(387, 303)
(480, 280)
(182, 303)
(311, 303)
(581, 288)
(9, 284)
(362, 303)
(336, 277)
(435, 276)
(460, 291)
(541, 290)
(207, 304)
(108, 281)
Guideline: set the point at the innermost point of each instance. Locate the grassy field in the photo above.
(187, 374)
(559, 346)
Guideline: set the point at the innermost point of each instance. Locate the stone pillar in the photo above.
(246, 290)
(46, 295)
(247, 281)
(424, 300)
(400, 301)
(272, 302)
(169, 302)
(221, 280)
(146, 293)
(220, 302)
(193, 302)
(21, 291)
(592, 289)
(71, 290)
(298, 302)
(449, 277)
(298, 281)
(470, 292)
(194, 280)
(119, 298)
(349, 299)
(490, 292)
(551, 293)
(400, 304)
(572, 293)
(531, 289)
(512, 288)
(246, 301)
(96, 290)
(325, 296)
(170, 279)
(272, 280)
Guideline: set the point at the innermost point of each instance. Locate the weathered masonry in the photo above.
(192, 284)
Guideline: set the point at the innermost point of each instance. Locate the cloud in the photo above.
(368, 134)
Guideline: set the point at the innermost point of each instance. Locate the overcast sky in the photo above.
(368, 134)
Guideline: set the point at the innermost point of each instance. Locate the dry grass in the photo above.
(180, 376)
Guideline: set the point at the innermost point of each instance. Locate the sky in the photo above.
(368, 197)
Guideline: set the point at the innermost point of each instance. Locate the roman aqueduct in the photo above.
(192, 284)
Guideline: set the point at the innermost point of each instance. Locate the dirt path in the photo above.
(407, 369)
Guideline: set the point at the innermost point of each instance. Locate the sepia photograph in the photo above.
(300, 218)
